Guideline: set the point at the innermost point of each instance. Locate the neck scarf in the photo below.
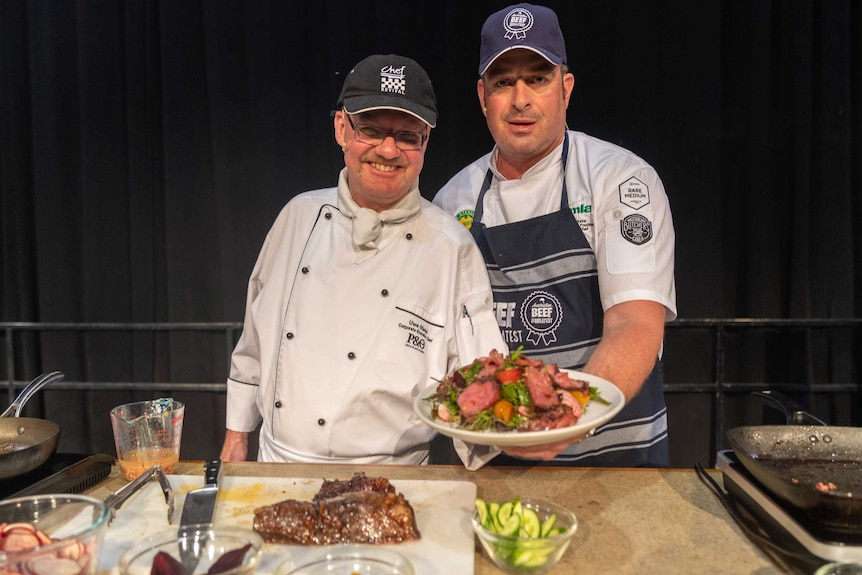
(368, 224)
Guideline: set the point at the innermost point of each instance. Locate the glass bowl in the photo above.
(517, 554)
(349, 559)
(52, 534)
(209, 542)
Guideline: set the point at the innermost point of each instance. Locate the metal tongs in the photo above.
(117, 498)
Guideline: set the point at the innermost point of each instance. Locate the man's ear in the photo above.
(480, 91)
(340, 127)
(568, 86)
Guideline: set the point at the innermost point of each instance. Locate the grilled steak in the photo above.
(359, 482)
(361, 510)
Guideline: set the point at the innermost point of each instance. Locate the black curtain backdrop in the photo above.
(146, 147)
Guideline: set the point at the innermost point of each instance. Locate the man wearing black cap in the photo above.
(362, 296)
(577, 236)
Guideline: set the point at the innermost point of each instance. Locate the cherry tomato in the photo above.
(582, 397)
(503, 410)
(509, 375)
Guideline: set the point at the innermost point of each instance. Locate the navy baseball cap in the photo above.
(527, 26)
(389, 82)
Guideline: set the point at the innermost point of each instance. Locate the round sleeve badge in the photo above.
(636, 229)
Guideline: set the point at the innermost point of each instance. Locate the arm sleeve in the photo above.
(635, 241)
(243, 384)
(477, 334)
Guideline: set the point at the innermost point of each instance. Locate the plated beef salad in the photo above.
(511, 393)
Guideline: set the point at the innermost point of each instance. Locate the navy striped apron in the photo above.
(546, 294)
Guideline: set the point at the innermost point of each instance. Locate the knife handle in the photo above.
(212, 472)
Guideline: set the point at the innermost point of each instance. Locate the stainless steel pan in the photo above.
(26, 442)
(816, 470)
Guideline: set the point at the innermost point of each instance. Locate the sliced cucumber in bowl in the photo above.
(523, 535)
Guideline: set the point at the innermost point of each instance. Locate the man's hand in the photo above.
(235, 446)
(545, 451)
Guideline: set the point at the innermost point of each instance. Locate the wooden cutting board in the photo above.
(442, 508)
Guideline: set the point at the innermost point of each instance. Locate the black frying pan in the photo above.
(26, 442)
(815, 469)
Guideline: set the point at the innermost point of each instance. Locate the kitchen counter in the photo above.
(630, 520)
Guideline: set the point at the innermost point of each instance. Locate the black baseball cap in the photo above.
(527, 26)
(389, 82)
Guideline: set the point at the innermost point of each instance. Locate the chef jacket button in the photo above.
(384, 293)
(305, 269)
(289, 335)
(351, 355)
(321, 421)
(409, 236)
(278, 405)
(328, 216)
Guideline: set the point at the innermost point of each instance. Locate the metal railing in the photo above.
(11, 330)
(720, 328)
(718, 386)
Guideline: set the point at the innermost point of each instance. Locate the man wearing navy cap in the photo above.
(577, 237)
(363, 295)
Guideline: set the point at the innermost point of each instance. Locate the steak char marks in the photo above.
(360, 510)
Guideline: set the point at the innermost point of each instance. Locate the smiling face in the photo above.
(379, 176)
(524, 98)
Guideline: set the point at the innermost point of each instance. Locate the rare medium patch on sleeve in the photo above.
(634, 193)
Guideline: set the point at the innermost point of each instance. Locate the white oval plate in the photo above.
(595, 414)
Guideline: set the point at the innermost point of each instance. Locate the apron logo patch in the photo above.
(636, 229)
(541, 314)
(466, 218)
(634, 193)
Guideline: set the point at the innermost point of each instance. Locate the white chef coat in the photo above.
(335, 348)
(608, 187)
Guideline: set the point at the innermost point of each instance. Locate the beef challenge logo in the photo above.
(541, 314)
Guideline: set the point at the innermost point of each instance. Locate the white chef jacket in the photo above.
(608, 187)
(334, 348)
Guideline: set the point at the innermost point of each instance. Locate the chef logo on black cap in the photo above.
(393, 80)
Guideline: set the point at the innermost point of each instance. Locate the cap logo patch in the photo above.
(393, 80)
(517, 22)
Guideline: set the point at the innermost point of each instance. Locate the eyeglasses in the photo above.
(374, 136)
